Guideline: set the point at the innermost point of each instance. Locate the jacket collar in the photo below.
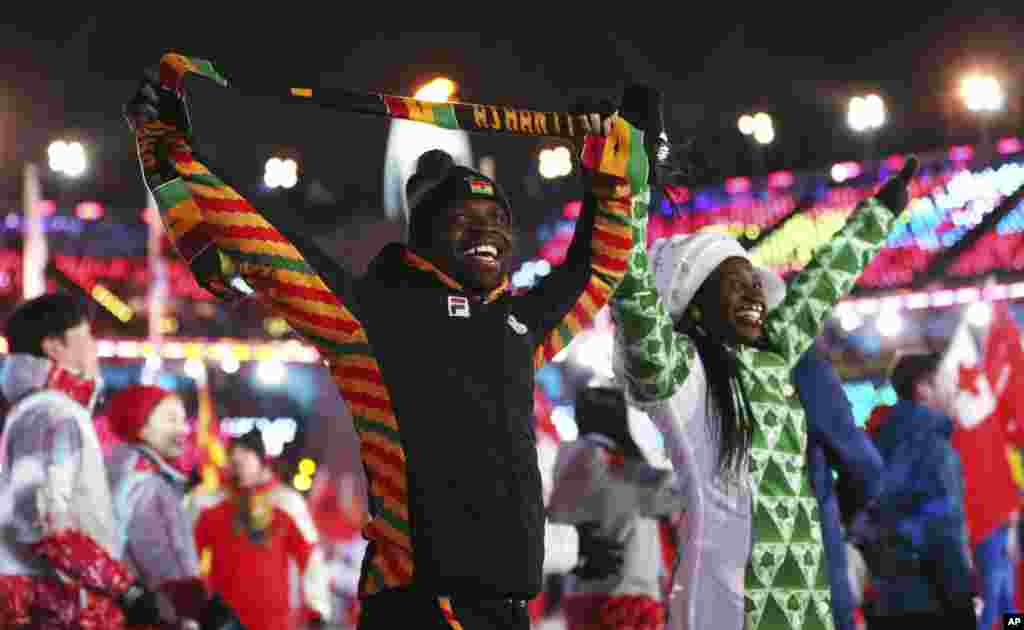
(394, 262)
(416, 261)
(25, 373)
(160, 464)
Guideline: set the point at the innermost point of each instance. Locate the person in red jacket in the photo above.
(251, 534)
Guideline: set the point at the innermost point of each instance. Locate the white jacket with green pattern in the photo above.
(751, 552)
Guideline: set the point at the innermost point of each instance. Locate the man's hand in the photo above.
(894, 194)
(152, 101)
(599, 114)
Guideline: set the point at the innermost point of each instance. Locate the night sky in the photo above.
(73, 70)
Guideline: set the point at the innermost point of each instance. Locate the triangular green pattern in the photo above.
(763, 360)
(813, 618)
(793, 468)
(771, 435)
(767, 529)
(759, 439)
(765, 560)
(790, 436)
(825, 291)
(810, 556)
(802, 527)
(774, 482)
(805, 487)
(784, 513)
(790, 575)
(811, 508)
(758, 459)
(758, 393)
(754, 606)
(796, 605)
(774, 616)
(845, 259)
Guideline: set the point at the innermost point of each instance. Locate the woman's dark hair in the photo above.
(50, 315)
(733, 426)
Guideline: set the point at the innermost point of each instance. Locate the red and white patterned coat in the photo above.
(57, 541)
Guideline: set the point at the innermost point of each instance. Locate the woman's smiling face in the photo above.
(733, 302)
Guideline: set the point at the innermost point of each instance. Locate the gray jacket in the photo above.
(624, 499)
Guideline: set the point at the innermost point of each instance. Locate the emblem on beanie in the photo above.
(458, 306)
(480, 186)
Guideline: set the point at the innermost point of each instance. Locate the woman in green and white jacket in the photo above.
(705, 343)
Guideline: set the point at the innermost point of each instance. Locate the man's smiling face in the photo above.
(470, 241)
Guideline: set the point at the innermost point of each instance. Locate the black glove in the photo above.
(599, 557)
(152, 101)
(217, 615)
(894, 194)
(140, 606)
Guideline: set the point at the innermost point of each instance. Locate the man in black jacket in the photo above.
(429, 345)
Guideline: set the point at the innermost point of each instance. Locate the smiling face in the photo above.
(470, 241)
(166, 430)
(732, 300)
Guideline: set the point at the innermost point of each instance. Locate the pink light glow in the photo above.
(1007, 146)
(961, 153)
(780, 179)
(736, 185)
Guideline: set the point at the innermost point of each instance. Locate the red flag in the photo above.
(990, 494)
(1004, 364)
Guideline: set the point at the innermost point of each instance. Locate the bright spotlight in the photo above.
(438, 90)
(271, 372)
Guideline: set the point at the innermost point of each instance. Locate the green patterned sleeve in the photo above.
(650, 357)
(827, 278)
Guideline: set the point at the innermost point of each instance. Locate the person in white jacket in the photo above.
(59, 564)
(605, 486)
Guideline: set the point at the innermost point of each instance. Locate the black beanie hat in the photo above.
(437, 184)
(603, 410)
(251, 440)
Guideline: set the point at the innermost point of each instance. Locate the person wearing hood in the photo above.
(914, 535)
(154, 530)
(705, 344)
(58, 535)
(428, 345)
(253, 535)
(607, 488)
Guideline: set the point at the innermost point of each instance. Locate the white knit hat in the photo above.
(682, 263)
